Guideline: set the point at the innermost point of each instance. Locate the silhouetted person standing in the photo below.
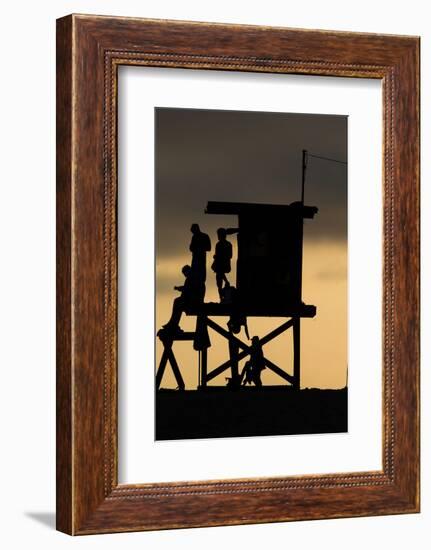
(222, 257)
(192, 295)
(199, 246)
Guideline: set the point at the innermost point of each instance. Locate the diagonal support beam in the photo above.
(176, 369)
(226, 334)
(215, 372)
(276, 332)
(162, 367)
(270, 336)
(272, 366)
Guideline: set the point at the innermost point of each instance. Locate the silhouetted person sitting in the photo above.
(192, 295)
(253, 368)
(222, 257)
(199, 246)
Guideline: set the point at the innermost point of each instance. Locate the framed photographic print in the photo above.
(237, 274)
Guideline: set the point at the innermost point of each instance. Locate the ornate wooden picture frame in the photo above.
(89, 51)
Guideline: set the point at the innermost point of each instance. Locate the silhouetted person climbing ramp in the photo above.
(229, 295)
(222, 257)
(199, 246)
(192, 295)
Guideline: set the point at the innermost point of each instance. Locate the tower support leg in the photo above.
(234, 363)
(296, 353)
(176, 370)
(204, 366)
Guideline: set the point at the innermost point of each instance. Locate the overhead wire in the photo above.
(326, 158)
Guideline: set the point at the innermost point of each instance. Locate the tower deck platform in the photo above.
(215, 309)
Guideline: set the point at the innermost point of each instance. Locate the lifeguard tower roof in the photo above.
(248, 208)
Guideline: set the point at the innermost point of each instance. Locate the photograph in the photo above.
(251, 288)
(215, 275)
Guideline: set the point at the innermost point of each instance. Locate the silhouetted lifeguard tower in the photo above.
(268, 284)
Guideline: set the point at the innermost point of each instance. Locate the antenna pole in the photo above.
(304, 169)
(301, 235)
